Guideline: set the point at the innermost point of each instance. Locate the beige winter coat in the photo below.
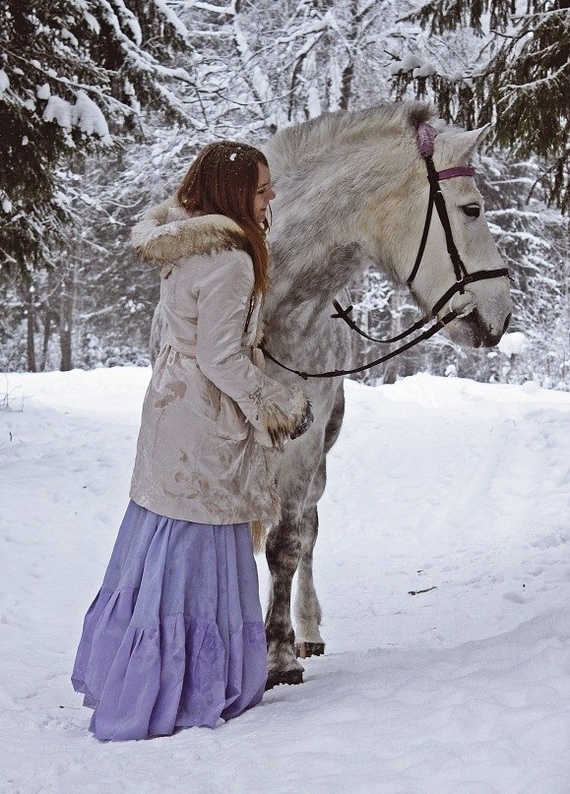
(210, 415)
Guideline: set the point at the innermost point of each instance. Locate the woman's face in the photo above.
(264, 193)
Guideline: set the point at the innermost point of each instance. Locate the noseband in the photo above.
(425, 139)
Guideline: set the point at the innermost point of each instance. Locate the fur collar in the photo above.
(167, 232)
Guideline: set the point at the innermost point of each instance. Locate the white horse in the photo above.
(353, 186)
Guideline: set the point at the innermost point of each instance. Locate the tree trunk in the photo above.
(346, 90)
(31, 321)
(393, 367)
(47, 322)
(348, 71)
(66, 304)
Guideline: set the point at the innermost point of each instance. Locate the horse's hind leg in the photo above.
(307, 607)
(282, 552)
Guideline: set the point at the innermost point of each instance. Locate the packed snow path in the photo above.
(442, 568)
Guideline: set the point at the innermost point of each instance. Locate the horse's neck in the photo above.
(316, 254)
(313, 279)
(335, 213)
(320, 224)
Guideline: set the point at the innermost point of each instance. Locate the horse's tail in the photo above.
(258, 536)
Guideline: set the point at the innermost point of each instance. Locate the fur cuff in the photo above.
(280, 424)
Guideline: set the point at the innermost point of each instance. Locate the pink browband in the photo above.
(459, 170)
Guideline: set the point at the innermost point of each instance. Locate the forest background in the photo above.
(103, 104)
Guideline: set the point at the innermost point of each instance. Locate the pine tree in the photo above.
(73, 77)
(520, 80)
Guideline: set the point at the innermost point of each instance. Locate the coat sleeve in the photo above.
(224, 293)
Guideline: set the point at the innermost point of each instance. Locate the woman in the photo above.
(175, 636)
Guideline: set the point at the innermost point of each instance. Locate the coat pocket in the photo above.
(231, 423)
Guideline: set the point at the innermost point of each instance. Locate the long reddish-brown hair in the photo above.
(223, 180)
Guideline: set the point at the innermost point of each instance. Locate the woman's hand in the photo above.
(304, 423)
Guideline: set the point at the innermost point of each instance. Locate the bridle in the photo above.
(425, 139)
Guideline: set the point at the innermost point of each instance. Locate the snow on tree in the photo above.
(73, 73)
(267, 64)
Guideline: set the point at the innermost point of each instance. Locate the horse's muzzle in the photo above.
(477, 332)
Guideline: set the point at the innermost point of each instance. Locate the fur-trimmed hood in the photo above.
(167, 232)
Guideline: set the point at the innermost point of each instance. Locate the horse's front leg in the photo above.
(307, 608)
(282, 551)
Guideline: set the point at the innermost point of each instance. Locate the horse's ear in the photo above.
(481, 133)
(474, 139)
(465, 143)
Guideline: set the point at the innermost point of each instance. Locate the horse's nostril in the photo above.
(507, 322)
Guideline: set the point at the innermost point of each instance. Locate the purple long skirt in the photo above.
(175, 636)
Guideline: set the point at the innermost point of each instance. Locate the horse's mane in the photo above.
(302, 142)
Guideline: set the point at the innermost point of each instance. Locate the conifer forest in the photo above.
(104, 103)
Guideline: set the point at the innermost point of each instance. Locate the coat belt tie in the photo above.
(186, 348)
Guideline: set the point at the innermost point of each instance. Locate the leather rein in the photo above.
(426, 137)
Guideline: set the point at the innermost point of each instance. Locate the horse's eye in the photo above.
(472, 210)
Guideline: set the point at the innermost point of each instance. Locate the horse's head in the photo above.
(460, 268)
(361, 179)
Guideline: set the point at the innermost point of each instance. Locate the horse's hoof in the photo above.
(306, 649)
(284, 677)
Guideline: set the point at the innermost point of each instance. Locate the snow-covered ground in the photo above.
(456, 491)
